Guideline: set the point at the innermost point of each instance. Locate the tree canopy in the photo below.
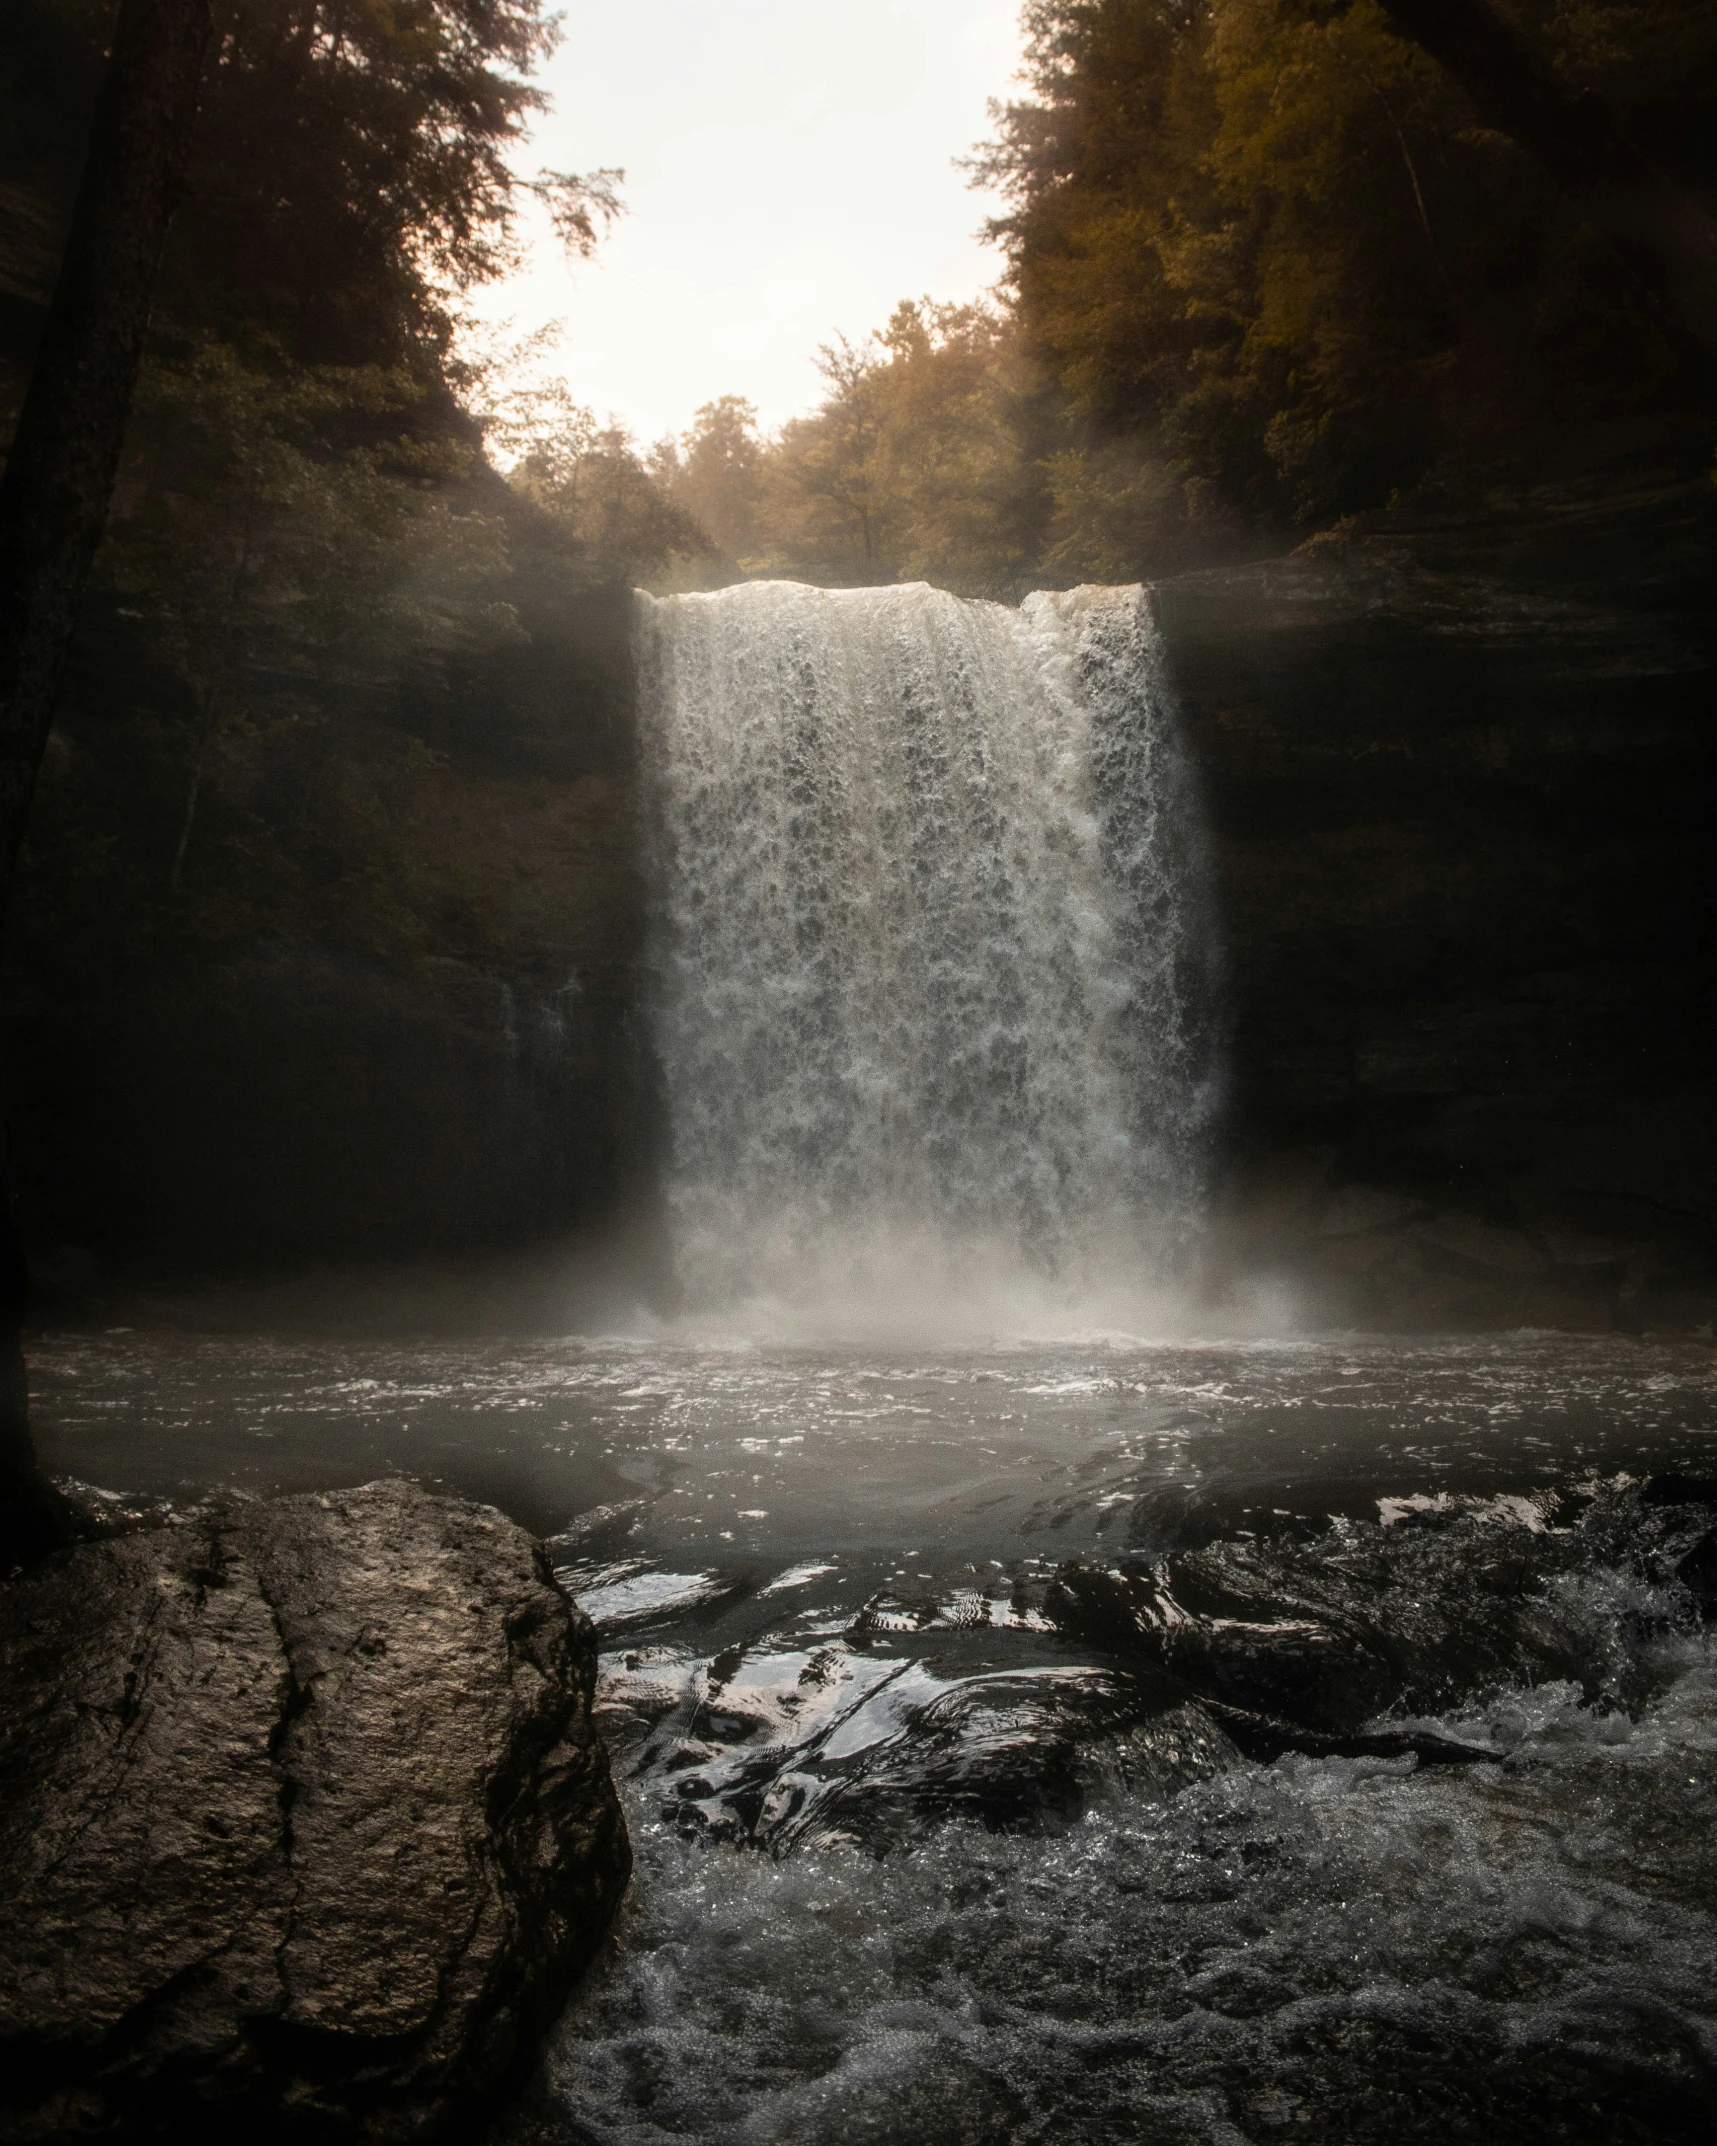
(1265, 264)
(313, 588)
(1270, 243)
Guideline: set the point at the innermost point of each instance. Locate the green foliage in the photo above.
(277, 568)
(1264, 270)
(919, 464)
(353, 163)
(352, 171)
(589, 483)
(313, 591)
(1263, 244)
(714, 475)
(274, 510)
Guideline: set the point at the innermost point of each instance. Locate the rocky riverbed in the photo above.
(1194, 1744)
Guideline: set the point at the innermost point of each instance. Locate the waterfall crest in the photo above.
(931, 955)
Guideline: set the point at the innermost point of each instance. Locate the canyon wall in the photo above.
(1458, 767)
(1458, 763)
(291, 1102)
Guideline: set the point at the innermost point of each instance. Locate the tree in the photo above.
(591, 483)
(59, 476)
(714, 473)
(828, 510)
(920, 463)
(287, 559)
(304, 516)
(1275, 272)
(1647, 171)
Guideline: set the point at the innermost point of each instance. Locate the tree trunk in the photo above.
(1508, 86)
(1621, 165)
(59, 475)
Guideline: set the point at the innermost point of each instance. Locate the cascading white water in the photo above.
(932, 953)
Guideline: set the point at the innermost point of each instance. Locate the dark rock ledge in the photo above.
(304, 1828)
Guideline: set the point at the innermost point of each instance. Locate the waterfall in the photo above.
(931, 948)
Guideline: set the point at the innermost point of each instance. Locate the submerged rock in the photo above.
(304, 1825)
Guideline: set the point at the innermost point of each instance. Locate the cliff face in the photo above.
(284, 1101)
(1459, 771)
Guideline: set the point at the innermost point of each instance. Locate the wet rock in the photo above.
(1674, 1489)
(304, 1827)
(1269, 1660)
(600, 1532)
(1445, 1599)
(783, 1748)
(1014, 1753)
(1506, 1251)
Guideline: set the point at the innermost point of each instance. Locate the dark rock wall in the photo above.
(300, 1104)
(1459, 769)
(285, 1103)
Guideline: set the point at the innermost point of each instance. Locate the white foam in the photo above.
(932, 959)
(1277, 1946)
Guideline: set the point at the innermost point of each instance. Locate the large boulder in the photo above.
(304, 1825)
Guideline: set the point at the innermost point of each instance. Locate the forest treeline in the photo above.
(316, 595)
(1262, 265)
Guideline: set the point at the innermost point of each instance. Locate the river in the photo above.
(934, 1679)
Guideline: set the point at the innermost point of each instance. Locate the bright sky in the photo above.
(789, 173)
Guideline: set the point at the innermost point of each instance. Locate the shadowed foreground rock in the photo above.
(303, 1823)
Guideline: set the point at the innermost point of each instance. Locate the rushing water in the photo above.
(933, 1679)
(1071, 1741)
(933, 1001)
